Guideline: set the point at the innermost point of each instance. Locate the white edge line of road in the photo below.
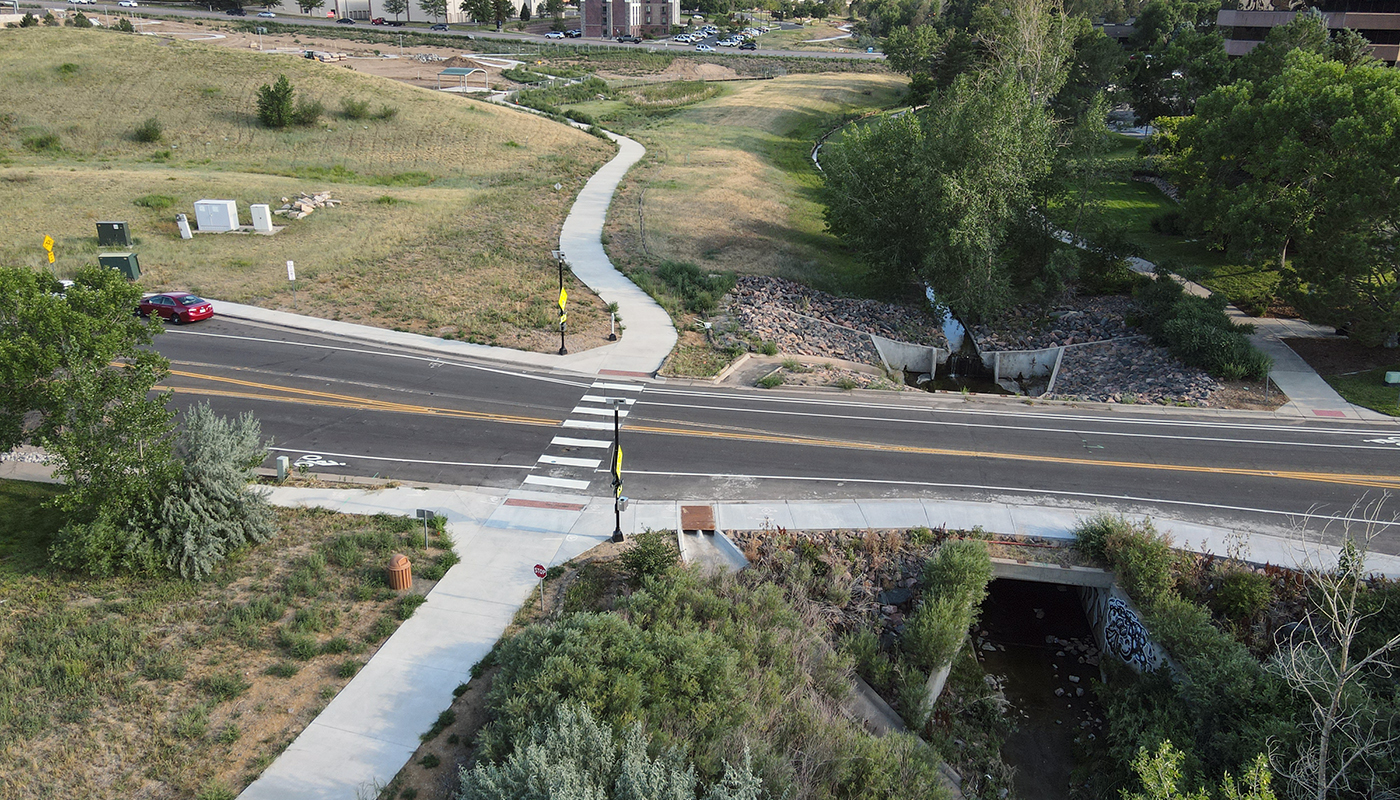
(399, 460)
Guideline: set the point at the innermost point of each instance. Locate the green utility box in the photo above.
(125, 262)
(113, 234)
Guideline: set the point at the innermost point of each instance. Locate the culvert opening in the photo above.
(1035, 642)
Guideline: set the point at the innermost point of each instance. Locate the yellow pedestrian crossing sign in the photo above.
(617, 471)
(563, 299)
(48, 247)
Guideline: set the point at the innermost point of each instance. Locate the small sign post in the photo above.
(48, 247)
(540, 572)
(292, 276)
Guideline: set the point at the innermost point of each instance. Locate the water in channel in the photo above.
(1034, 641)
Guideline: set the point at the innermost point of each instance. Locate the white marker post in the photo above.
(292, 276)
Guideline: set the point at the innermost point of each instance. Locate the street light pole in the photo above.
(617, 470)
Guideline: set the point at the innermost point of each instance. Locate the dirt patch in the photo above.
(684, 69)
(1341, 356)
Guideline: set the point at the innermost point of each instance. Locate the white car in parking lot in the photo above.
(554, 35)
(704, 48)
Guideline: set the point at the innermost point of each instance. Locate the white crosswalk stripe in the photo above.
(595, 398)
(562, 483)
(565, 441)
(608, 412)
(587, 424)
(625, 387)
(564, 461)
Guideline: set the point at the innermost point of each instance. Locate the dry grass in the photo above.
(460, 248)
(802, 39)
(727, 183)
(183, 701)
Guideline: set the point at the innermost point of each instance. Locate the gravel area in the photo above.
(1133, 371)
(1093, 319)
(793, 316)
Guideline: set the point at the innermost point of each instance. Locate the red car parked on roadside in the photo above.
(178, 307)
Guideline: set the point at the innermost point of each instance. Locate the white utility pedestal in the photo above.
(216, 215)
(183, 223)
(262, 217)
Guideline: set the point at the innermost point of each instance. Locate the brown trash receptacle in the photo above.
(400, 572)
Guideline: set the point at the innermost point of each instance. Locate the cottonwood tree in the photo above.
(936, 196)
(436, 9)
(395, 7)
(76, 378)
(307, 6)
(1331, 662)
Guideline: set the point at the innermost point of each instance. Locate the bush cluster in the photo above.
(1196, 330)
(954, 584)
(698, 292)
(709, 667)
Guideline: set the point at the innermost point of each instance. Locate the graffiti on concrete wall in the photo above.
(1127, 637)
(1118, 629)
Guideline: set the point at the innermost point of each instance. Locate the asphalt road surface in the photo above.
(351, 408)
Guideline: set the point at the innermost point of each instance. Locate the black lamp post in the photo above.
(617, 470)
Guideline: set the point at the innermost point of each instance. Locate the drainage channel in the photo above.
(1035, 642)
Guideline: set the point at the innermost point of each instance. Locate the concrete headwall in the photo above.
(1024, 363)
(908, 357)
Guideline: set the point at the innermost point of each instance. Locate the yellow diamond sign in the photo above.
(48, 245)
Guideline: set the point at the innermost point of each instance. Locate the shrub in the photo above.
(210, 512)
(308, 112)
(864, 648)
(1142, 558)
(768, 348)
(408, 604)
(771, 381)
(155, 202)
(275, 105)
(215, 789)
(124, 25)
(386, 113)
(444, 721)
(955, 583)
(192, 724)
(42, 143)
(51, 20)
(698, 292)
(150, 130)
(80, 20)
(347, 668)
(224, 685)
(335, 646)
(299, 646)
(1169, 223)
(282, 669)
(1241, 594)
(344, 552)
(382, 628)
(354, 109)
(1196, 330)
(429, 761)
(651, 553)
(28, 20)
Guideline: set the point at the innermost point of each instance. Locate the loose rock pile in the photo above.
(304, 204)
(1093, 319)
(803, 321)
(1133, 371)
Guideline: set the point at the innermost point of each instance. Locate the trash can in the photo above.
(400, 572)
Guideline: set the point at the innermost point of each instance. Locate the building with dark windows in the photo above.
(1249, 21)
(608, 19)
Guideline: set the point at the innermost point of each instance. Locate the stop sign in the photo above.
(539, 570)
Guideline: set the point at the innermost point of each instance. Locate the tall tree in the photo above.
(395, 7)
(437, 9)
(307, 6)
(525, 11)
(1305, 167)
(936, 196)
(555, 8)
(76, 374)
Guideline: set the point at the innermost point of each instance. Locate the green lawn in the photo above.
(1369, 389)
(26, 526)
(1131, 205)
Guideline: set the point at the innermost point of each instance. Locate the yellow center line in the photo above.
(333, 400)
(1375, 481)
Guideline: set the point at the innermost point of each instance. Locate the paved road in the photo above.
(511, 36)
(411, 416)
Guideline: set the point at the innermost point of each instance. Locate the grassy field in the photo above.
(802, 39)
(1369, 389)
(727, 183)
(1130, 206)
(163, 688)
(450, 208)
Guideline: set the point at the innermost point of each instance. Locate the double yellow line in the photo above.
(1370, 481)
(284, 394)
(332, 400)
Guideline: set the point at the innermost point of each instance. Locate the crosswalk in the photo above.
(572, 462)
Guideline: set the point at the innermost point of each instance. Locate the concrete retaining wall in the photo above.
(1024, 363)
(909, 357)
(1118, 629)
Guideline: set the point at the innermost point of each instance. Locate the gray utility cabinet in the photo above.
(113, 234)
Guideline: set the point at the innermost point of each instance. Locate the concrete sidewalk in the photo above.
(370, 730)
(649, 336)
